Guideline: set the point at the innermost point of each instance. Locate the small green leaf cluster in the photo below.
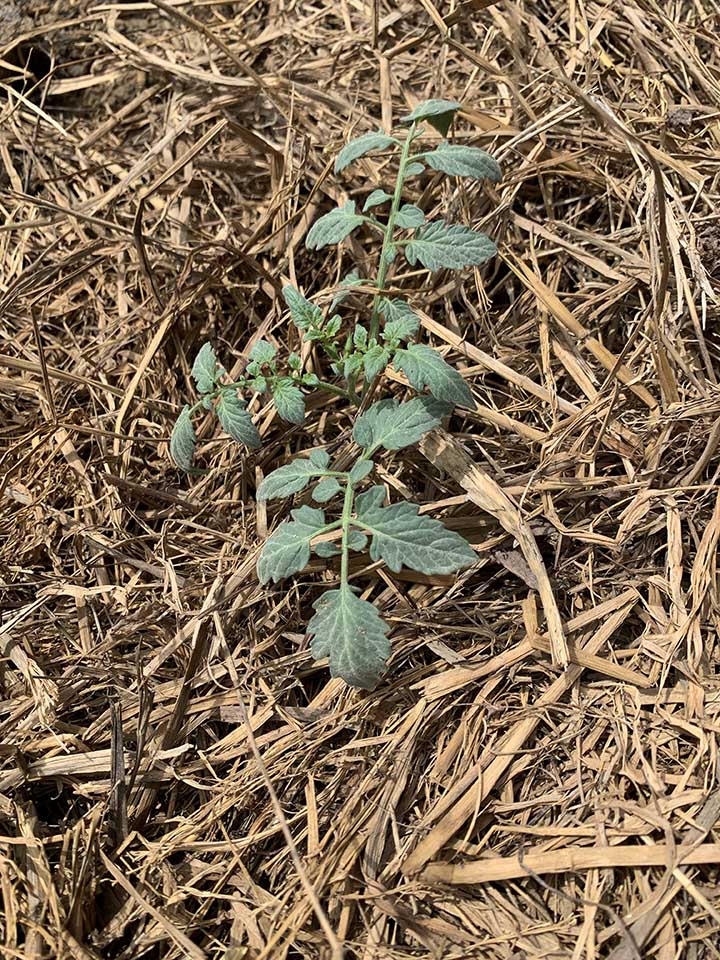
(223, 399)
(357, 351)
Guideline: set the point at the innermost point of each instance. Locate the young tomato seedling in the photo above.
(345, 628)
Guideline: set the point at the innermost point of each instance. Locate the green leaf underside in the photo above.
(361, 146)
(288, 479)
(352, 365)
(326, 490)
(438, 113)
(357, 540)
(440, 245)
(460, 161)
(289, 401)
(401, 321)
(288, 549)
(263, 352)
(394, 425)
(182, 440)
(303, 313)
(325, 549)
(333, 227)
(375, 361)
(414, 170)
(361, 470)
(409, 216)
(320, 459)
(403, 537)
(352, 634)
(236, 421)
(204, 369)
(425, 368)
(375, 199)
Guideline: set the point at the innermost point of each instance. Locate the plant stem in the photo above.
(345, 523)
(389, 227)
(331, 388)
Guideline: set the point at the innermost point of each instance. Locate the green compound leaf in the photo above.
(333, 227)
(352, 634)
(326, 490)
(332, 326)
(325, 548)
(361, 146)
(361, 470)
(289, 479)
(373, 498)
(414, 170)
(288, 549)
(205, 369)
(262, 352)
(236, 421)
(289, 401)
(402, 537)
(401, 321)
(353, 365)
(425, 367)
(375, 361)
(438, 113)
(439, 244)
(409, 216)
(352, 279)
(357, 540)
(461, 161)
(182, 440)
(375, 199)
(320, 459)
(394, 425)
(360, 337)
(303, 313)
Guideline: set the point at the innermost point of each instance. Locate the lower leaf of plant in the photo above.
(352, 634)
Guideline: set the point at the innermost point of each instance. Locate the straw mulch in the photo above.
(178, 778)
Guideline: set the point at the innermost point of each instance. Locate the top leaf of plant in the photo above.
(394, 425)
(461, 161)
(204, 369)
(360, 146)
(438, 113)
(333, 227)
(439, 244)
(352, 634)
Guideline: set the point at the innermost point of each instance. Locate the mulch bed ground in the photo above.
(178, 777)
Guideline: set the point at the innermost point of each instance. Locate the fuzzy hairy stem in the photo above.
(345, 524)
(389, 228)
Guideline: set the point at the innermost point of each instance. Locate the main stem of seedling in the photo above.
(389, 228)
(345, 525)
